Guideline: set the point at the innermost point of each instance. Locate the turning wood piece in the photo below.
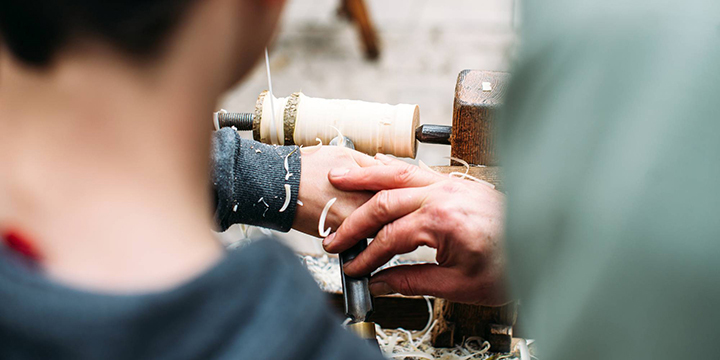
(374, 128)
(478, 94)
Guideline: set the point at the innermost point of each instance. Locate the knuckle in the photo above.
(441, 212)
(408, 287)
(383, 205)
(405, 174)
(444, 219)
(453, 187)
(362, 265)
(384, 238)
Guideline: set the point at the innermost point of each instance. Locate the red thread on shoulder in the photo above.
(21, 245)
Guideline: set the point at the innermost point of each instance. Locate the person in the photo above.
(105, 201)
(609, 149)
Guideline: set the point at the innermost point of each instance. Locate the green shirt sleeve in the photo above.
(610, 143)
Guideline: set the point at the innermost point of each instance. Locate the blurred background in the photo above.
(423, 44)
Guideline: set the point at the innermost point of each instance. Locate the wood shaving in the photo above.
(465, 163)
(312, 149)
(326, 272)
(262, 200)
(342, 141)
(466, 175)
(400, 343)
(323, 215)
(273, 129)
(288, 194)
(460, 175)
(287, 168)
(410, 345)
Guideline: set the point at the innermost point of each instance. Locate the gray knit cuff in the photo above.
(250, 181)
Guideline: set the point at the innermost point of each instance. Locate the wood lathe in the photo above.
(394, 129)
(303, 120)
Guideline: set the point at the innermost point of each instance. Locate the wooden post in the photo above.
(477, 96)
(456, 322)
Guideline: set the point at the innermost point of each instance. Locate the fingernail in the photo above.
(380, 288)
(336, 173)
(328, 240)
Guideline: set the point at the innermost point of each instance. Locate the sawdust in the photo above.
(401, 343)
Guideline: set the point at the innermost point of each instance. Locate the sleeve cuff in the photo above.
(250, 181)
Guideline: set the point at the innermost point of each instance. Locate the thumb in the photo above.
(419, 279)
(437, 281)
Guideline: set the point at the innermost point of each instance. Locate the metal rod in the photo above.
(358, 302)
(433, 134)
(241, 121)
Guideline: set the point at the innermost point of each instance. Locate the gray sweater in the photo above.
(257, 303)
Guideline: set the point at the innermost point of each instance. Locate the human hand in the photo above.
(462, 219)
(315, 189)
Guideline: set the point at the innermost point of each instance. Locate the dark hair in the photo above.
(34, 30)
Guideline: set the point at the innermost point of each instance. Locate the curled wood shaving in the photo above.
(412, 354)
(287, 167)
(341, 142)
(321, 223)
(465, 163)
(262, 199)
(288, 195)
(404, 344)
(314, 148)
(460, 175)
(466, 175)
